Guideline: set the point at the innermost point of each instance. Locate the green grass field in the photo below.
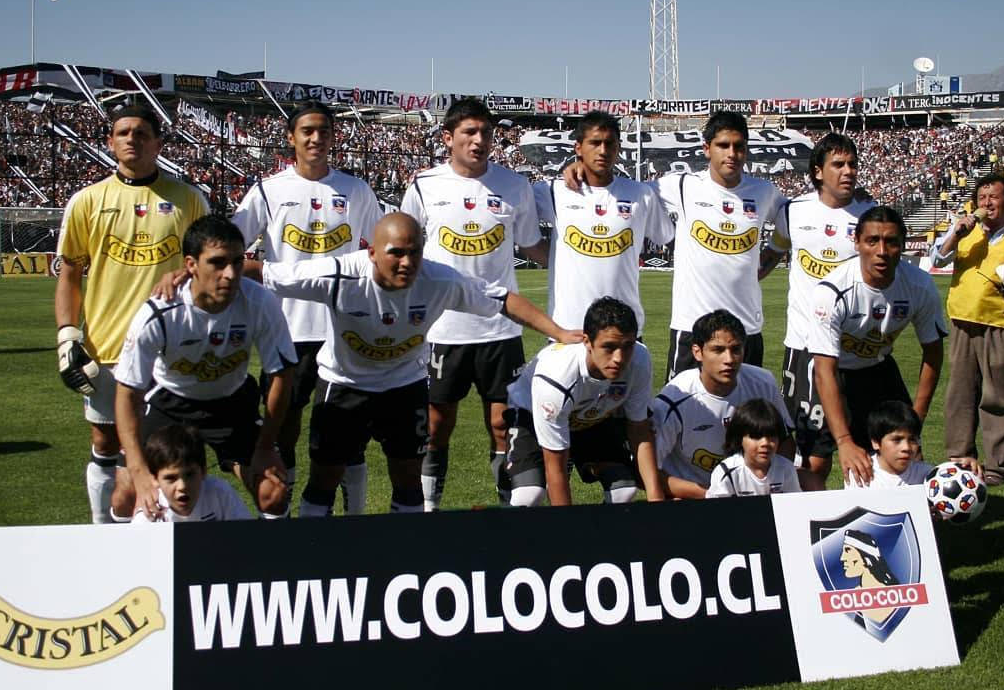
(44, 443)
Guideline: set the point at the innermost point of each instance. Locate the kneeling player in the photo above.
(587, 402)
(176, 456)
(691, 412)
(196, 348)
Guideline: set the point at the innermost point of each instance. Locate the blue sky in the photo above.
(765, 49)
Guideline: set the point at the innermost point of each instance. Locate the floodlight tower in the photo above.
(663, 62)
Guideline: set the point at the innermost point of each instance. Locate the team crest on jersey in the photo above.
(238, 334)
(601, 209)
(728, 206)
(494, 203)
(749, 208)
(869, 566)
(900, 309)
(830, 230)
(416, 314)
(624, 209)
(165, 208)
(617, 390)
(850, 229)
(388, 318)
(470, 202)
(878, 311)
(216, 338)
(140, 209)
(339, 203)
(315, 203)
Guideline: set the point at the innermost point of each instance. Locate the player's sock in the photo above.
(620, 494)
(406, 501)
(316, 502)
(100, 484)
(503, 483)
(117, 518)
(354, 484)
(434, 466)
(272, 516)
(527, 496)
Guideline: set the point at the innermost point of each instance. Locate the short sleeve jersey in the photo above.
(217, 501)
(915, 473)
(195, 354)
(130, 235)
(859, 324)
(690, 422)
(301, 219)
(717, 254)
(732, 477)
(599, 236)
(376, 338)
(471, 224)
(820, 239)
(563, 397)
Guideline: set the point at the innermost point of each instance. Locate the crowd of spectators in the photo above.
(900, 167)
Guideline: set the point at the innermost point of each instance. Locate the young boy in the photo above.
(176, 456)
(894, 429)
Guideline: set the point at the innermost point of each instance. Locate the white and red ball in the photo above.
(956, 493)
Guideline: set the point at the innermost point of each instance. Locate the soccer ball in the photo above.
(956, 493)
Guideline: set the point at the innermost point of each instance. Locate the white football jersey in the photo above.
(690, 422)
(557, 388)
(820, 239)
(915, 473)
(859, 323)
(377, 339)
(471, 224)
(217, 501)
(199, 355)
(717, 254)
(599, 236)
(731, 477)
(302, 219)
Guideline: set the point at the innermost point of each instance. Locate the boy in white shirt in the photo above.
(176, 456)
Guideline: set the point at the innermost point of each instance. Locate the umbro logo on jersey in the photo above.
(857, 315)
(703, 427)
(190, 341)
(574, 207)
(359, 313)
(315, 204)
(109, 210)
(442, 203)
(807, 228)
(705, 204)
(289, 203)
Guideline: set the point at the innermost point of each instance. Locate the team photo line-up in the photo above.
(387, 320)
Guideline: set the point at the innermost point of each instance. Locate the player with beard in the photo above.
(691, 412)
(819, 233)
(858, 311)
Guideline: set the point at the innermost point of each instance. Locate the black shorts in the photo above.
(864, 389)
(491, 367)
(798, 388)
(605, 443)
(681, 357)
(228, 425)
(344, 419)
(304, 375)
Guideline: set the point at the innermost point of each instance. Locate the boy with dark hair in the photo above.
(195, 348)
(692, 411)
(586, 402)
(176, 456)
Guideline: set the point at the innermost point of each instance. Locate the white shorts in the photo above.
(99, 408)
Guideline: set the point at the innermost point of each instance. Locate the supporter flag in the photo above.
(38, 101)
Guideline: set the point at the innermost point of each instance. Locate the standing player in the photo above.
(473, 212)
(717, 253)
(587, 402)
(600, 233)
(819, 233)
(307, 211)
(691, 412)
(125, 231)
(372, 367)
(195, 349)
(858, 311)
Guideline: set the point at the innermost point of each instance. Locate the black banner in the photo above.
(628, 595)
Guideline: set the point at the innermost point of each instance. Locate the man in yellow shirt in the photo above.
(975, 392)
(125, 232)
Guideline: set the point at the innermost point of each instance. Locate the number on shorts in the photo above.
(437, 363)
(789, 378)
(814, 413)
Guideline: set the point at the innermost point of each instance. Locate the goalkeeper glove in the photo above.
(76, 367)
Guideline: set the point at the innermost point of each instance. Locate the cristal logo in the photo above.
(63, 643)
(869, 565)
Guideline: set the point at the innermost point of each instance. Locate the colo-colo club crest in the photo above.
(869, 565)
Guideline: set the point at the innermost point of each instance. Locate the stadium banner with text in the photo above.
(770, 150)
(205, 605)
(28, 265)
